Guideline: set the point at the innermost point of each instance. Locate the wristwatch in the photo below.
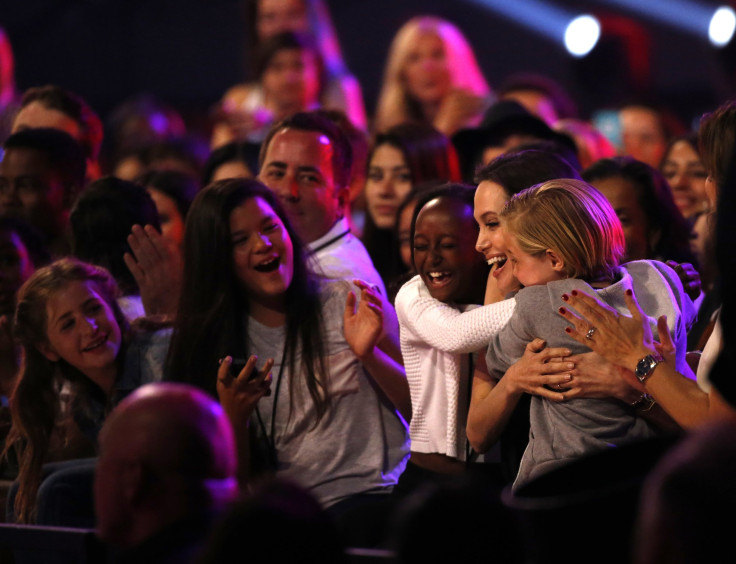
(646, 366)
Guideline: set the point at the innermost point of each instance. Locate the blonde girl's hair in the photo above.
(35, 402)
(573, 219)
(394, 105)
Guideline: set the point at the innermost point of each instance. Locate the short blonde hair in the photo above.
(573, 219)
(394, 105)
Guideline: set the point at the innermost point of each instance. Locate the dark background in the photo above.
(187, 52)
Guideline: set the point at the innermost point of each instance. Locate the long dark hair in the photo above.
(518, 171)
(212, 317)
(432, 160)
(35, 403)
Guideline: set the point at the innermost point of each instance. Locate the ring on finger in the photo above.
(590, 333)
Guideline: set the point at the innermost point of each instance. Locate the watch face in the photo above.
(645, 366)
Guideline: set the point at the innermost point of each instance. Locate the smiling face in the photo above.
(426, 75)
(686, 175)
(532, 270)
(263, 255)
(297, 166)
(443, 252)
(490, 199)
(82, 330)
(388, 183)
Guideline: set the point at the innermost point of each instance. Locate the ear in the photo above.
(342, 194)
(48, 351)
(556, 261)
(711, 191)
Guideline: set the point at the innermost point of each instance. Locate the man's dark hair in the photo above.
(342, 156)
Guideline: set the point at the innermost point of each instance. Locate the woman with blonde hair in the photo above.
(432, 76)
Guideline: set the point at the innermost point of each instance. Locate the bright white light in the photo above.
(581, 35)
(722, 26)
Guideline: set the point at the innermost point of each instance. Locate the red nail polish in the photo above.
(565, 297)
(562, 310)
(568, 330)
(574, 292)
(629, 292)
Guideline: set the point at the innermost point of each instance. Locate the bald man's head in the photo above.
(166, 452)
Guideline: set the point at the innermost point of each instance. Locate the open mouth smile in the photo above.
(268, 266)
(438, 278)
(97, 343)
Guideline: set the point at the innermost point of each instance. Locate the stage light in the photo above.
(722, 26)
(581, 35)
(694, 17)
(578, 34)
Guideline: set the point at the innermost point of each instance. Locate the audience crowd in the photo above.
(470, 327)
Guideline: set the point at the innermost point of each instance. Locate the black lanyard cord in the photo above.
(333, 240)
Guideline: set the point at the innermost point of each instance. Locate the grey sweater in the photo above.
(563, 431)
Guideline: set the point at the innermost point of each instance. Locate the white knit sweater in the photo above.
(435, 339)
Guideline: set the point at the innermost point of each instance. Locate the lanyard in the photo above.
(271, 438)
(333, 240)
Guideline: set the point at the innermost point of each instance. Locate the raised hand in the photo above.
(156, 266)
(458, 108)
(363, 327)
(620, 339)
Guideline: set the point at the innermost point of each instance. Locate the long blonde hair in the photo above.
(572, 218)
(394, 104)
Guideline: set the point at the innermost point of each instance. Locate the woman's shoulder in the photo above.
(655, 275)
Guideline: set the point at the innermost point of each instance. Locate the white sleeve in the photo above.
(441, 326)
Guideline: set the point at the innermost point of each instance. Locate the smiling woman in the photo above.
(81, 357)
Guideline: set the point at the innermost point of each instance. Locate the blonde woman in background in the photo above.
(431, 76)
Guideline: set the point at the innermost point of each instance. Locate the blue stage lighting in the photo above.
(559, 25)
